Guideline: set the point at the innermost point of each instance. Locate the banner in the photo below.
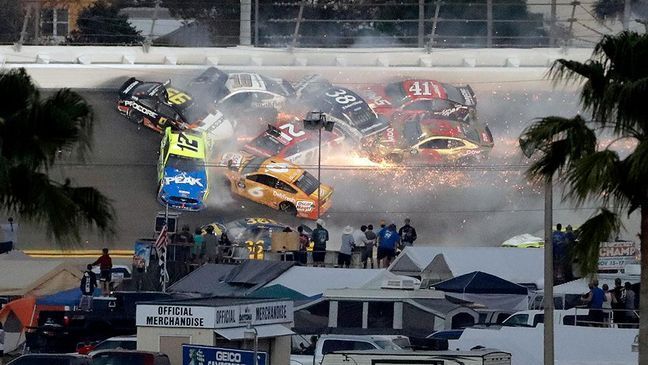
(142, 254)
(207, 355)
(616, 255)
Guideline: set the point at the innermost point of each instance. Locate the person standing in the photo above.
(105, 271)
(344, 256)
(558, 244)
(88, 286)
(617, 302)
(370, 243)
(629, 303)
(197, 250)
(359, 238)
(407, 234)
(607, 303)
(388, 241)
(594, 300)
(319, 237)
(210, 243)
(304, 242)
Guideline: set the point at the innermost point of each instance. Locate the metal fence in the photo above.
(411, 23)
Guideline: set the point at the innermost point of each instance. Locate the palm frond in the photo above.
(631, 97)
(593, 176)
(17, 93)
(599, 228)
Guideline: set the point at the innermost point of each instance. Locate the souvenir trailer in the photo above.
(225, 323)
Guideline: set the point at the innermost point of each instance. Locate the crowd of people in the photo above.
(615, 305)
(563, 242)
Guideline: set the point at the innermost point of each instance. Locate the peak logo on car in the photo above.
(183, 179)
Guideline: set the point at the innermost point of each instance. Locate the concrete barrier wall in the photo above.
(107, 67)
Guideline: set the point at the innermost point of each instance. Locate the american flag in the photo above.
(162, 240)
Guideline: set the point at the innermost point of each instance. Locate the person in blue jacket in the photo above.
(389, 240)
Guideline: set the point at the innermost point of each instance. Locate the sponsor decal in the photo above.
(305, 206)
(183, 178)
(278, 167)
(256, 191)
(284, 196)
(467, 96)
(130, 87)
(140, 108)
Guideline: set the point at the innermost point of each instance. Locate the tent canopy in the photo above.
(479, 282)
(70, 297)
(313, 281)
(279, 292)
(15, 317)
(42, 277)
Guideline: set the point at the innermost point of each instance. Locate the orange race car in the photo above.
(278, 184)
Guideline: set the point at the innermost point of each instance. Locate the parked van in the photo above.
(385, 357)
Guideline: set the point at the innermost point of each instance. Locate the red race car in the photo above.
(419, 96)
(290, 141)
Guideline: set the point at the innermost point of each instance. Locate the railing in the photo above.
(627, 318)
(299, 23)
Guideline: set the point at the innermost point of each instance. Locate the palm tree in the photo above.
(33, 131)
(585, 155)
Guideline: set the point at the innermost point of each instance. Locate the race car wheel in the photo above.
(135, 117)
(395, 158)
(288, 207)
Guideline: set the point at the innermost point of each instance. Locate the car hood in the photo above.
(188, 184)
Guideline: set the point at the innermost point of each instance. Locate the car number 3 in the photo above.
(341, 96)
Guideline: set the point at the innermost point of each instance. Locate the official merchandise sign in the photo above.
(616, 255)
(207, 355)
(177, 316)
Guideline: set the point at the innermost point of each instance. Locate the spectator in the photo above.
(629, 303)
(607, 303)
(594, 300)
(319, 237)
(304, 242)
(370, 242)
(388, 241)
(558, 244)
(359, 237)
(407, 234)
(197, 250)
(210, 244)
(344, 256)
(88, 286)
(105, 267)
(617, 301)
(570, 241)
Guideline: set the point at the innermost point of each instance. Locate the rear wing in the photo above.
(209, 84)
(468, 94)
(128, 86)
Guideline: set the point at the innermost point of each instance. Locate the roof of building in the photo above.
(312, 281)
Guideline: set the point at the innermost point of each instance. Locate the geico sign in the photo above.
(140, 108)
(231, 357)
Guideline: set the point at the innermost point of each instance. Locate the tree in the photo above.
(32, 133)
(613, 9)
(101, 23)
(614, 88)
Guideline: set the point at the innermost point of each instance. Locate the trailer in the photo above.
(386, 357)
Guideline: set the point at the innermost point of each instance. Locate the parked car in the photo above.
(113, 343)
(330, 343)
(127, 357)
(52, 359)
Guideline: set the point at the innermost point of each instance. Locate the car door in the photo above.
(258, 187)
(164, 150)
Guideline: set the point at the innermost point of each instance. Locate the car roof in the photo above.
(100, 352)
(289, 174)
(122, 338)
(175, 149)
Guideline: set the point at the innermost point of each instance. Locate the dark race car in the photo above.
(417, 95)
(431, 138)
(350, 112)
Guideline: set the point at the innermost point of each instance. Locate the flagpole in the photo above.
(166, 248)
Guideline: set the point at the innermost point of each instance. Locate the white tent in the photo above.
(312, 281)
(434, 264)
(36, 277)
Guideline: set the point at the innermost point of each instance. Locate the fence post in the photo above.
(489, 23)
(421, 23)
(23, 32)
(297, 23)
(245, 33)
(552, 26)
(626, 14)
(256, 23)
(435, 21)
(572, 20)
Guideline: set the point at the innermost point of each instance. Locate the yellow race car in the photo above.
(278, 184)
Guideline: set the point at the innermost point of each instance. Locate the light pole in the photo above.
(317, 120)
(251, 333)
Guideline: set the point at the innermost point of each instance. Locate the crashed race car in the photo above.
(417, 95)
(278, 184)
(431, 138)
(350, 112)
(290, 141)
(157, 105)
(182, 174)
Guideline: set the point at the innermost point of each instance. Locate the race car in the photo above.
(278, 184)
(418, 95)
(290, 141)
(157, 105)
(350, 112)
(431, 138)
(182, 174)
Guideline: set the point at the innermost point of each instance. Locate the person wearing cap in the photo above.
(344, 256)
(319, 237)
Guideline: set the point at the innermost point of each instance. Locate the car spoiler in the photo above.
(468, 94)
(128, 86)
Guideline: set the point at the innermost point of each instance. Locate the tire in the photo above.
(135, 117)
(288, 207)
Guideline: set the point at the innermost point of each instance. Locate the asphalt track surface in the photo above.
(478, 206)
